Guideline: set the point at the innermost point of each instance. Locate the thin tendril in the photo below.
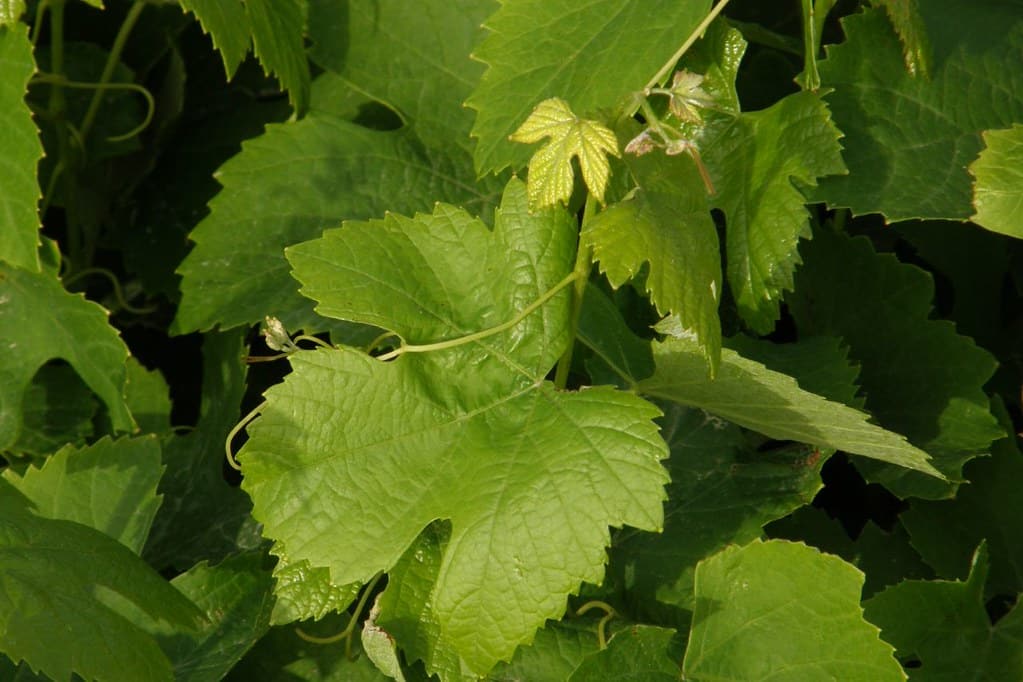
(378, 340)
(115, 284)
(693, 37)
(313, 339)
(234, 432)
(56, 79)
(476, 336)
(609, 613)
(253, 359)
(349, 630)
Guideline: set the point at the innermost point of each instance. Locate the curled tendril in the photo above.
(609, 613)
(56, 79)
(232, 462)
(115, 284)
(349, 630)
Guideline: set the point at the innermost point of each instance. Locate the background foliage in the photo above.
(548, 340)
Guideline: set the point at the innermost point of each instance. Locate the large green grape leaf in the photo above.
(944, 627)
(539, 49)
(947, 532)
(783, 611)
(666, 224)
(749, 394)
(109, 486)
(909, 139)
(998, 192)
(530, 477)
(19, 191)
(53, 578)
(757, 162)
(236, 597)
(287, 186)
(722, 491)
(416, 62)
(640, 652)
(42, 321)
(202, 516)
(275, 28)
(920, 377)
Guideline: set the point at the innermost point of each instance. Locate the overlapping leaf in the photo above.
(998, 192)
(908, 139)
(11, 11)
(19, 139)
(275, 29)
(782, 611)
(554, 654)
(530, 477)
(640, 652)
(919, 376)
(668, 225)
(749, 394)
(944, 626)
(41, 322)
(109, 486)
(53, 573)
(58, 410)
(293, 182)
(722, 492)
(539, 49)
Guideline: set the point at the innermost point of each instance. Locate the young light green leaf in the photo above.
(236, 597)
(920, 377)
(474, 445)
(722, 492)
(909, 140)
(998, 190)
(639, 652)
(109, 486)
(779, 610)
(550, 169)
(19, 139)
(53, 575)
(944, 625)
(287, 186)
(667, 224)
(749, 394)
(380, 647)
(41, 321)
(539, 49)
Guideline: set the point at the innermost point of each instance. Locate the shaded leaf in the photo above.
(909, 25)
(920, 377)
(538, 49)
(603, 330)
(306, 592)
(556, 651)
(19, 191)
(41, 321)
(782, 611)
(998, 192)
(58, 409)
(109, 486)
(148, 397)
(640, 652)
(749, 394)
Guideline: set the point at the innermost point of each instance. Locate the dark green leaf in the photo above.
(58, 409)
(641, 653)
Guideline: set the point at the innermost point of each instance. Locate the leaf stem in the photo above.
(476, 336)
(693, 37)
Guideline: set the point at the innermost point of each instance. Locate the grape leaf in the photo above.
(289, 184)
(722, 491)
(919, 376)
(555, 653)
(757, 161)
(58, 410)
(275, 29)
(41, 321)
(19, 192)
(109, 486)
(749, 394)
(539, 49)
(908, 140)
(550, 168)
(148, 397)
(202, 516)
(236, 597)
(469, 446)
(667, 224)
(944, 626)
(53, 574)
(909, 25)
(640, 652)
(998, 192)
(782, 611)
(415, 62)
(947, 532)
(380, 646)
(603, 330)
(306, 592)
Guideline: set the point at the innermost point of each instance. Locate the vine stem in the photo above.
(693, 37)
(476, 336)
(583, 265)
